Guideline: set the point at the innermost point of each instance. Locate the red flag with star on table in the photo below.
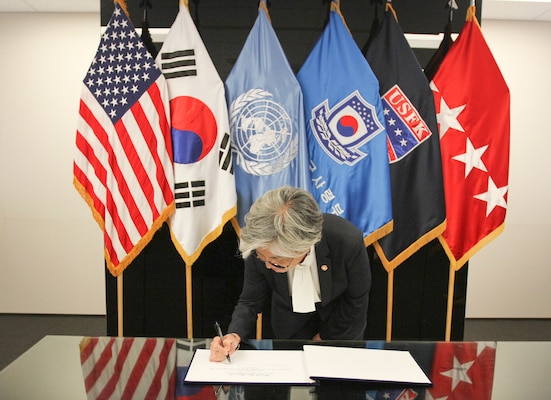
(473, 113)
(463, 371)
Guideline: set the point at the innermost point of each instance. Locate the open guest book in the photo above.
(307, 367)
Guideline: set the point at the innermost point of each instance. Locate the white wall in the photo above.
(511, 276)
(51, 258)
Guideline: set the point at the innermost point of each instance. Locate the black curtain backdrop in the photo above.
(154, 293)
(154, 285)
(224, 25)
(154, 289)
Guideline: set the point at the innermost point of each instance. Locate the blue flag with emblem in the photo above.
(266, 118)
(413, 144)
(346, 131)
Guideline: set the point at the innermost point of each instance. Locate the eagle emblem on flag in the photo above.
(340, 131)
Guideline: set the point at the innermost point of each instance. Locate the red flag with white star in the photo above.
(462, 371)
(473, 113)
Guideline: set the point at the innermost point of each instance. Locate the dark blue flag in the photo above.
(413, 145)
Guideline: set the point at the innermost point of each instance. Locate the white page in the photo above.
(250, 366)
(347, 363)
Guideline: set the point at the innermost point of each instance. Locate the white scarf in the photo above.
(303, 289)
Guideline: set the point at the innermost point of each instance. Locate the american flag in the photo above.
(128, 368)
(123, 164)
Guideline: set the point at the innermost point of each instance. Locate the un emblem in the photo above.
(263, 139)
(342, 130)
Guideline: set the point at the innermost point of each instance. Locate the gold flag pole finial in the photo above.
(336, 7)
(122, 4)
(263, 6)
(388, 7)
(471, 14)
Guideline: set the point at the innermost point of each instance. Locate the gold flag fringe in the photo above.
(116, 270)
(88, 199)
(413, 248)
(189, 259)
(457, 264)
(127, 260)
(379, 233)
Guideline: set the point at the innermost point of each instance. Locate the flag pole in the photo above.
(189, 286)
(451, 279)
(259, 326)
(189, 307)
(389, 307)
(451, 285)
(119, 306)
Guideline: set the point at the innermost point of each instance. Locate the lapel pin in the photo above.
(324, 267)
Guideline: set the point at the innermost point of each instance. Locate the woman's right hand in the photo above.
(219, 350)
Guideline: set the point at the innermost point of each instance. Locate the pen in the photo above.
(219, 333)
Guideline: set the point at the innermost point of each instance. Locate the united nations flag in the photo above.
(346, 131)
(266, 118)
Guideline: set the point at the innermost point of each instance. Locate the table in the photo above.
(51, 369)
(48, 370)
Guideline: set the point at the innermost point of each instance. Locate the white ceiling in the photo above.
(536, 10)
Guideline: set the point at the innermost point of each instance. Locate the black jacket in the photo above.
(345, 280)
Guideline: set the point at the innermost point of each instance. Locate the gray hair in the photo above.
(286, 220)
